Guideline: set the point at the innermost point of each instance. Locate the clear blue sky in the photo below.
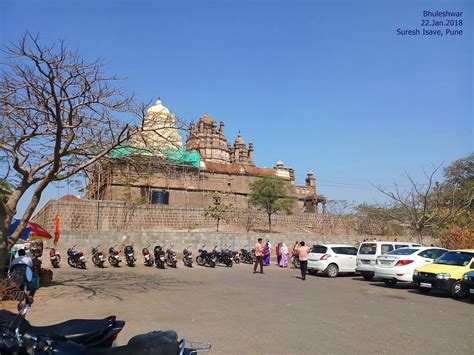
(321, 85)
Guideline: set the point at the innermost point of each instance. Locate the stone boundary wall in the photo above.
(90, 215)
(85, 240)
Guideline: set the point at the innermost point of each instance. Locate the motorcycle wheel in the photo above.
(71, 262)
(212, 263)
(83, 265)
(229, 263)
(236, 261)
(200, 260)
(174, 264)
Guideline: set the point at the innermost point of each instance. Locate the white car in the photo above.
(332, 259)
(369, 251)
(398, 265)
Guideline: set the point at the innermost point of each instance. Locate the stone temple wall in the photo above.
(90, 215)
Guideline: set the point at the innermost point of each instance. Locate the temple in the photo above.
(179, 181)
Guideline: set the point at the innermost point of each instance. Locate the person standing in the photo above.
(303, 251)
(259, 256)
(283, 255)
(278, 253)
(266, 255)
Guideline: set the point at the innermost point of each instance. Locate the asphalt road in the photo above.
(275, 313)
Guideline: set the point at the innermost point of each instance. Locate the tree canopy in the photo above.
(270, 194)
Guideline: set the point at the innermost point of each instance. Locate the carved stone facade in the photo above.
(213, 145)
(224, 168)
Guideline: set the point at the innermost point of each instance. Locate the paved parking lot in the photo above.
(275, 313)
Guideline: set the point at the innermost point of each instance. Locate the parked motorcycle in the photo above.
(76, 258)
(246, 256)
(223, 257)
(98, 258)
(78, 336)
(114, 257)
(234, 255)
(148, 259)
(188, 256)
(54, 257)
(171, 259)
(130, 255)
(159, 256)
(205, 258)
(295, 260)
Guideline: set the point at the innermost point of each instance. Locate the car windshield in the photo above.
(458, 258)
(403, 251)
(368, 248)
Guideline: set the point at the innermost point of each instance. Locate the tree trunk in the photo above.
(420, 236)
(270, 222)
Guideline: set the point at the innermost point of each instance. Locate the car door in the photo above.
(339, 257)
(351, 254)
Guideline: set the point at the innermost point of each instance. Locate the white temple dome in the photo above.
(158, 107)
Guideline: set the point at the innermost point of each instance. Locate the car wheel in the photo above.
(368, 276)
(390, 282)
(456, 290)
(332, 270)
(423, 290)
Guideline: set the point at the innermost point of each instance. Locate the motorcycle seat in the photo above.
(153, 343)
(76, 330)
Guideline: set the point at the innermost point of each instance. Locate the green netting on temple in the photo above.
(177, 156)
(181, 156)
(128, 150)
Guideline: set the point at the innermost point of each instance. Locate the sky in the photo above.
(326, 86)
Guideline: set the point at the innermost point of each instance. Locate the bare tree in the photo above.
(336, 209)
(59, 116)
(421, 207)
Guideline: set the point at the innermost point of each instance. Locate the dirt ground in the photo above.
(276, 313)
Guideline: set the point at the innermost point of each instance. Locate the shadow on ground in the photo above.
(96, 284)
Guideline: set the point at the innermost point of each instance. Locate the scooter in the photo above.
(159, 257)
(130, 255)
(171, 259)
(54, 257)
(148, 259)
(78, 336)
(76, 258)
(188, 256)
(98, 258)
(114, 257)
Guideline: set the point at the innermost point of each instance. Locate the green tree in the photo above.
(457, 188)
(270, 194)
(218, 210)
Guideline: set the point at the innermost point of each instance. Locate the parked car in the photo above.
(399, 264)
(332, 259)
(369, 251)
(445, 273)
(467, 284)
